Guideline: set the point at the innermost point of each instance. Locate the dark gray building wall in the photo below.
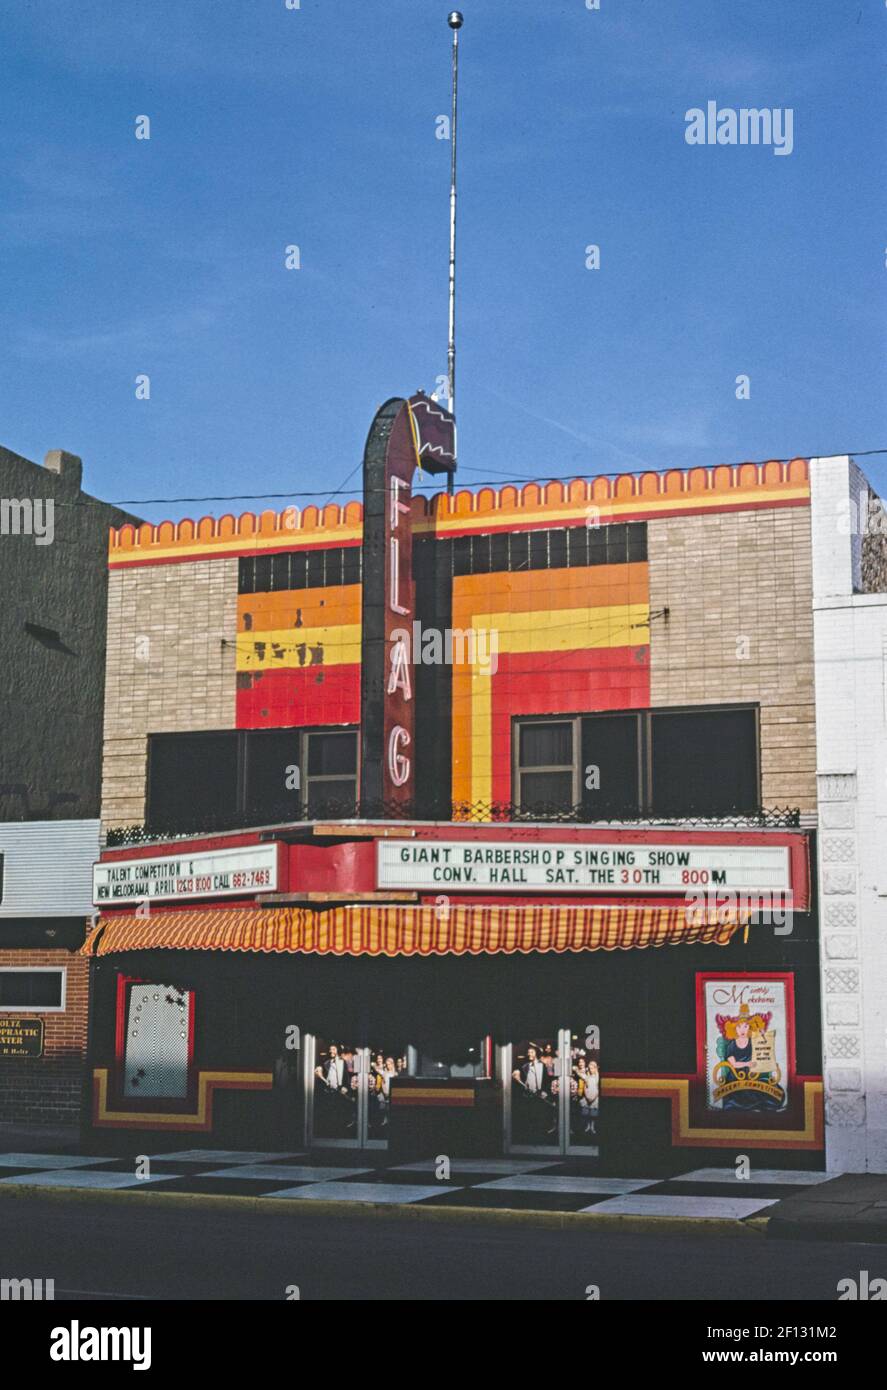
(53, 608)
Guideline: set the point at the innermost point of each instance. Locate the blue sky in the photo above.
(316, 127)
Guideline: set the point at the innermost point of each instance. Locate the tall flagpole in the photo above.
(455, 22)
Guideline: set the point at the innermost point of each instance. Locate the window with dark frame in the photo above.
(616, 542)
(611, 766)
(330, 774)
(304, 568)
(546, 766)
(193, 778)
(221, 781)
(32, 990)
(704, 762)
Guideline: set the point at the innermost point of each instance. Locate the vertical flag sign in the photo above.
(404, 434)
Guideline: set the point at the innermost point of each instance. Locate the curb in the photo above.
(384, 1211)
(857, 1232)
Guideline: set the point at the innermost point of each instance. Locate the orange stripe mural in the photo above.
(568, 640)
(298, 657)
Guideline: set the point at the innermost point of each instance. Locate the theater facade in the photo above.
(477, 823)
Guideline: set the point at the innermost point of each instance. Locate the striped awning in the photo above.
(407, 930)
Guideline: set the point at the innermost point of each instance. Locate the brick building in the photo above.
(53, 577)
(485, 821)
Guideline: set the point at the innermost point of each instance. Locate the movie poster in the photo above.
(747, 1043)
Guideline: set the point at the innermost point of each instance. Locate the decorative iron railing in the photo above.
(461, 813)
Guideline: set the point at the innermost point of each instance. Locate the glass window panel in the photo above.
(637, 540)
(299, 569)
(546, 744)
(499, 551)
(246, 577)
(518, 551)
(557, 549)
(547, 793)
(332, 754)
(461, 1060)
(262, 574)
(315, 569)
(351, 564)
(610, 766)
(280, 572)
(480, 555)
(192, 782)
(30, 989)
(577, 545)
(617, 542)
(597, 545)
(705, 763)
(538, 550)
(462, 555)
(271, 756)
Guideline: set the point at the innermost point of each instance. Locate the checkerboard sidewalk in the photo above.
(516, 1183)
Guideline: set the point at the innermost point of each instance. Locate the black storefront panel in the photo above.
(641, 1003)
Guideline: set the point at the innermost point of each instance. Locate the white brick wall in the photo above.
(850, 643)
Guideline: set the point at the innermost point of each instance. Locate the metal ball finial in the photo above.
(454, 19)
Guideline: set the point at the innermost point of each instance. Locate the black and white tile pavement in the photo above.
(516, 1183)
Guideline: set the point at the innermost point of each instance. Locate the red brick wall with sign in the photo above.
(48, 1089)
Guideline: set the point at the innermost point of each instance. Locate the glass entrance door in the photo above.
(349, 1087)
(333, 1093)
(384, 1064)
(583, 1099)
(532, 1089)
(550, 1087)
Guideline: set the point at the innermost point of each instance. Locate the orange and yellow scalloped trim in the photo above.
(628, 497)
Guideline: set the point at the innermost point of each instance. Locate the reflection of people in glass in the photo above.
(333, 1072)
(593, 1086)
(333, 1089)
(584, 1093)
(383, 1070)
(533, 1075)
(376, 1117)
(534, 1089)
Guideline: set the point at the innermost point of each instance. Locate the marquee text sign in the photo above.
(216, 874)
(582, 868)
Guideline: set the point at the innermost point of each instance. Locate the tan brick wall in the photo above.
(48, 1089)
(724, 578)
(167, 670)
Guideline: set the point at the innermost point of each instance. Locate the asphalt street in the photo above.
(100, 1250)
